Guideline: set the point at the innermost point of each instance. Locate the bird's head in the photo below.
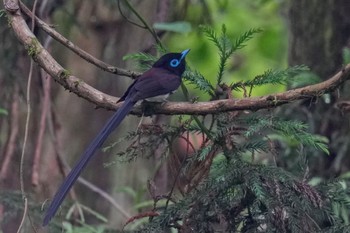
(174, 62)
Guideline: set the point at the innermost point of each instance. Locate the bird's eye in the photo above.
(174, 63)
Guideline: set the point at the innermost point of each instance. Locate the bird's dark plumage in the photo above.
(163, 78)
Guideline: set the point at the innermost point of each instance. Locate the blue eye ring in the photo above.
(174, 63)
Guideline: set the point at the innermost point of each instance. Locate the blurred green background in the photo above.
(267, 50)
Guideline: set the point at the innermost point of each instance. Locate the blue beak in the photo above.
(184, 53)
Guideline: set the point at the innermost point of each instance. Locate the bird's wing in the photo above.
(153, 83)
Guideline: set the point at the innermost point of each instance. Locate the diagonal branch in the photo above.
(44, 59)
(70, 45)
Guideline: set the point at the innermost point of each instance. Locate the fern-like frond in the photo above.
(226, 51)
(225, 46)
(294, 130)
(211, 34)
(244, 38)
(204, 152)
(198, 80)
(144, 59)
(275, 76)
(252, 146)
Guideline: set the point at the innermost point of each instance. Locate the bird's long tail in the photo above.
(85, 158)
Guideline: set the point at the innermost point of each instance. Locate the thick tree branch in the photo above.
(80, 88)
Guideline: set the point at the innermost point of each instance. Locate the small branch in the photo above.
(80, 88)
(126, 18)
(67, 43)
(105, 195)
(149, 28)
(29, 110)
(19, 230)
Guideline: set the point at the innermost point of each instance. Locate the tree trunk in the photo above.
(319, 31)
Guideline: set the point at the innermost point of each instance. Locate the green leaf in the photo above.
(128, 190)
(67, 227)
(3, 111)
(346, 55)
(94, 213)
(2, 12)
(179, 27)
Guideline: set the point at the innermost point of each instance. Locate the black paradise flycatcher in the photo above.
(162, 79)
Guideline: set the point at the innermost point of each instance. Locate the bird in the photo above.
(163, 78)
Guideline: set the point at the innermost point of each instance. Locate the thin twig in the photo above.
(105, 195)
(149, 28)
(74, 48)
(21, 167)
(24, 215)
(28, 98)
(126, 18)
(183, 162)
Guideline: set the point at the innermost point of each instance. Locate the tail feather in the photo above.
(114, 121)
